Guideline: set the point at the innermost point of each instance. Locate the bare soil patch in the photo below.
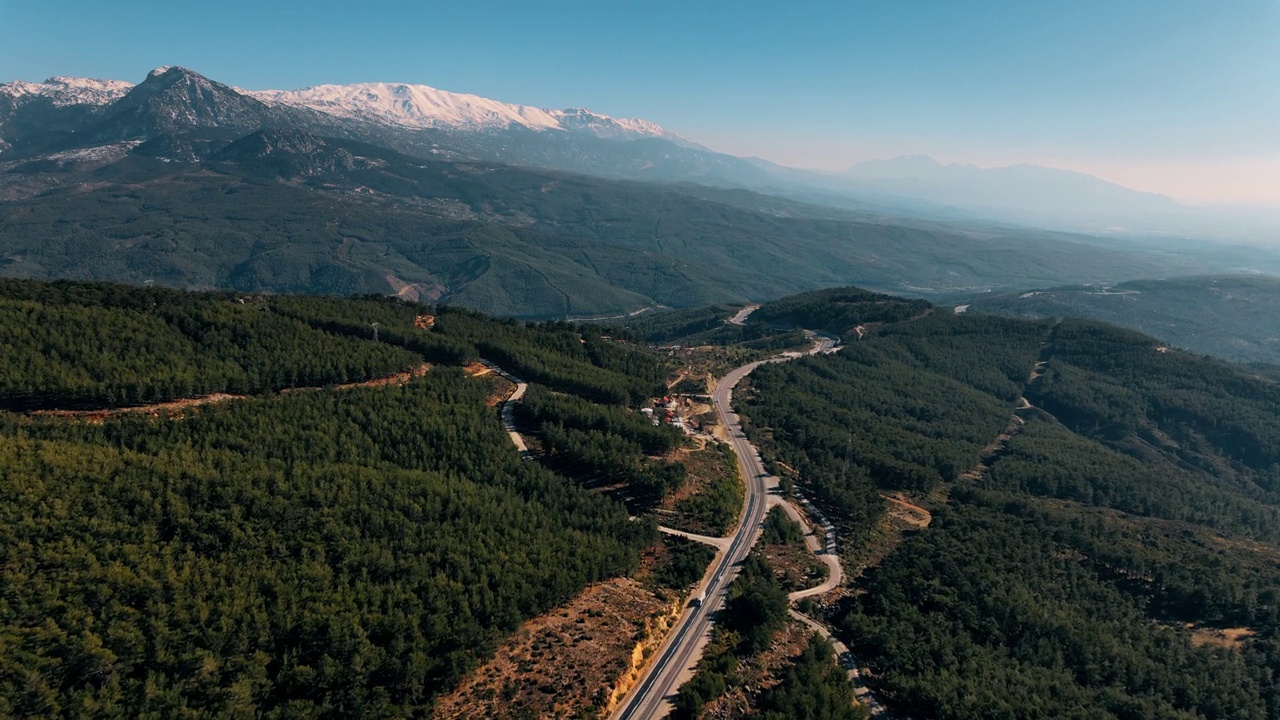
(155, 410)
(709, 501)
(907, 512)
(795, 566)
(1226, 638)
(902, 515)
(566, 662)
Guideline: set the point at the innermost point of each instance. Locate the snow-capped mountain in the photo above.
(63, 92)
(604, 126)
(421, 106)
(42, 115)
(198, 100)
(174, 100)
(178, 115)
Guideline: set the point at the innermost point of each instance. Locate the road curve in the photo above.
(509, 408)
(743, 314)
(835, 571)
(676, 658)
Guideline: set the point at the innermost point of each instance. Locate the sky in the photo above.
(1174, 96)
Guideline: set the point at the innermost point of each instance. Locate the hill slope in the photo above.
(291, 211)
(1232, 317)
(1103, 537)
(343, 551)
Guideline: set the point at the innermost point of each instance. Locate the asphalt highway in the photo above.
(672, 665)
(650, 698)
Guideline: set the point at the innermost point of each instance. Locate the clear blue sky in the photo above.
(1181, 96)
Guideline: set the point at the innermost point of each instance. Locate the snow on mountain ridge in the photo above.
(422, 106)
(397, 104)
(66, 91)
(582, 118)
(416, 106)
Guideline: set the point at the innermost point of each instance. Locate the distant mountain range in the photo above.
(515, 210)
(420, 106)
(70, 113)
(65, 113)
(1029, 190)
(73, 113)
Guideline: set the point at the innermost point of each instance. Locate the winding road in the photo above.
(835, 571)
(743, 314)
(679, 654)
(509, 408)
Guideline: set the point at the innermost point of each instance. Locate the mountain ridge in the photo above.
(175, 111)
(284, 210)
(408, 105)
(423, 106)
(64, 90)
(1023, 187)
(425, 121)
(1228, 316)
(182, 179)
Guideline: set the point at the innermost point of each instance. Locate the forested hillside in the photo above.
(293, 213)
(340, 552)
(81, 345)
(1230, 316)
(905, 410)
(838, 311)
(776, 324)
(1103, 540)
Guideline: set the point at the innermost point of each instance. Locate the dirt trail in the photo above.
(816, 544)
(397, 379)
(741, 317)
(170, 407)
(844, 657)
(914, 514)
(1038, 371)
(997, 447)
(509, 405)
(719, 543)
(175, 406)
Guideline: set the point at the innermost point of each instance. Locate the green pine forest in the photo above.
(316, 548)
(1070, 572)
(333, 552)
